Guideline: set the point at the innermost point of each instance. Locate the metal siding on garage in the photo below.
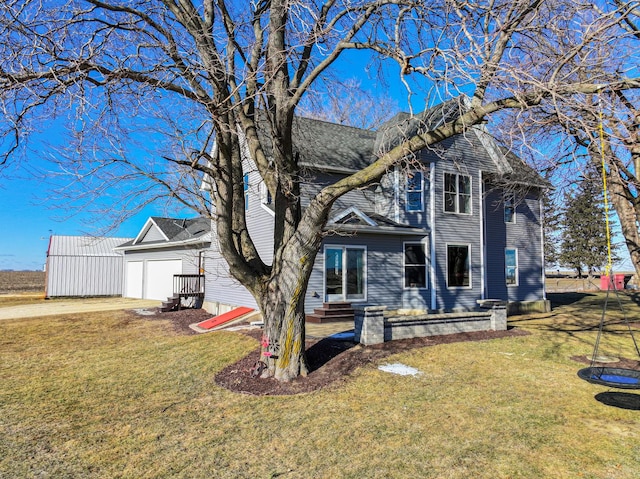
(158, 277)
(134, 279)
(84, 266)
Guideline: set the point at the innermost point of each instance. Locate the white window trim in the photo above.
(516, 266)
(468, 245)
(264, 195)
(355, 211)
(426, 267)
(457, 202)
(365, 272)
(407, 191)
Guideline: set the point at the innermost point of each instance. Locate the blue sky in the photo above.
(29, 213)
(28, 220)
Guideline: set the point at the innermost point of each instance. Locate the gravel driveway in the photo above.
(70, 306)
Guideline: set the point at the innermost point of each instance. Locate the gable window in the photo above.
(457, 193)
(245, 186)
(511, 266)
(415, 191)
(415, 265)
(458, 265)
(509, 209)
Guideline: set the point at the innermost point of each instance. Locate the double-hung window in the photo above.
(458, 266)
(457, 193)
(415, 191)
(415, 265)
(511, 266)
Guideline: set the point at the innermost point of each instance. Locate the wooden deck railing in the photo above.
(188, 285)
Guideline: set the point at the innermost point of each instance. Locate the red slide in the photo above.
(224, 318)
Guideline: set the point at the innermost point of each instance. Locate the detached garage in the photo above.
(164, 248)
(84, 266)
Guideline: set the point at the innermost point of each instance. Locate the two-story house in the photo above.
(455, 224)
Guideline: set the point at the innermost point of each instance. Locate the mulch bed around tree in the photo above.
(331, 361)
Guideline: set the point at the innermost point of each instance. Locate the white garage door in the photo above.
(159, 278)
(134, 279)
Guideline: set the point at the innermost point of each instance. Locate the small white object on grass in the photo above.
(399, 368)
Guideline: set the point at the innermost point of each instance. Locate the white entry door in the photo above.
(134, 279)
(159, 278)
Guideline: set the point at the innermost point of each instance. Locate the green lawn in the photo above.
(107, 396)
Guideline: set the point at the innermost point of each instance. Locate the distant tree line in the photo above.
(575, 227)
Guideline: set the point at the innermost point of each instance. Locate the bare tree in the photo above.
(116, 68)
(347, 103)
(598, 130)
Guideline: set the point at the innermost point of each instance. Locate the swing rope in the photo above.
(612, 377)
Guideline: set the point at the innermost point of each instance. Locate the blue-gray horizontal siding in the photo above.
(525, 235)
(365, 200)
(220, 286)
(457, 229)
(384, 272)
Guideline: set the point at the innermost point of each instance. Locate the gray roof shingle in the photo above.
(177, 229)
(326, 145)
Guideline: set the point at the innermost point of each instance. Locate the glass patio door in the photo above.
(344, 273)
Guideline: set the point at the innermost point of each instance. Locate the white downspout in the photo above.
(483, 253)
(396, 190)
(544, 286)
(432, 234)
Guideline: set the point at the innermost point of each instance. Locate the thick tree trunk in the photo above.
(282, 300)
(282, 306)
(283, 340)
(628, 215)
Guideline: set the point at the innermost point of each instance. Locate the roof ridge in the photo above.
(333, 123)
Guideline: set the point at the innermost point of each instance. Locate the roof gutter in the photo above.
(206, 238)
(380, 230)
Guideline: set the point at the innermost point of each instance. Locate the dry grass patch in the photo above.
(114, 395)
(17, 299)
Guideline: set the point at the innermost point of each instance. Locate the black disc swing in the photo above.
(618, 378)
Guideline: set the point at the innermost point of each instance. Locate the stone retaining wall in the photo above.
(372, 327)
